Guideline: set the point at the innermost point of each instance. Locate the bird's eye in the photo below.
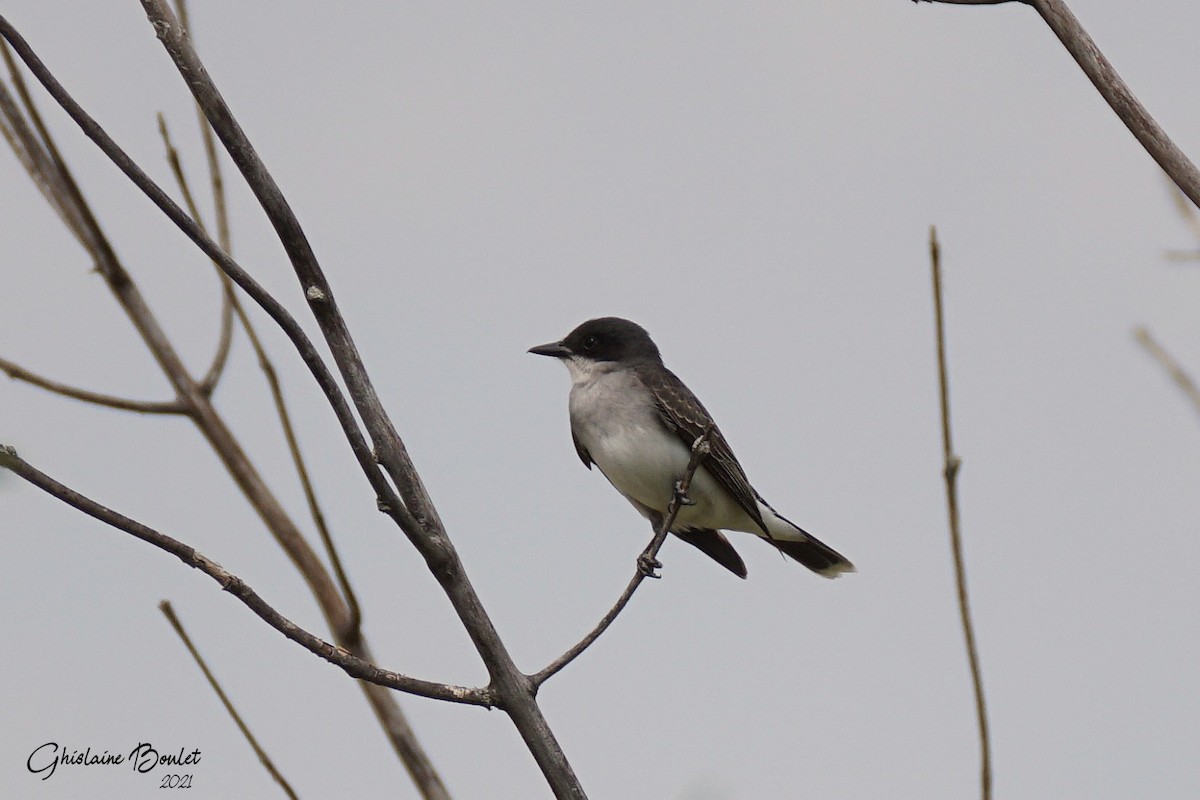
(590, 343)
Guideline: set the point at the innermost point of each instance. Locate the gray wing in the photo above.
(682, 413)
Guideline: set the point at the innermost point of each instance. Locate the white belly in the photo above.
(643, 460)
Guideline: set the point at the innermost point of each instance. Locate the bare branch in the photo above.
(232, 305)
(216, 432)
(511, 688)
(63, 193)
(210, 154)
(17, 372)
(1115, 92)
(950, 473)
(209, 383)
(338, 656)
(169, 613)
(389, 448)
(272, 306)
(647, 561)
(353, 628)
(416, 515)
(225, 338)
(35, 149)
(1173, 368)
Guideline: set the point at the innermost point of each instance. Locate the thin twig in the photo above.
(28, 137)
(950, 472)
(41, 159)
(17, 372)
(210, 154)
(646, 560)
(264, 759)
(339, 656)
(212, 376)
(353, 628)
(230, 306)
(1172, 366)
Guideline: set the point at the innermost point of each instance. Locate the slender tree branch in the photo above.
(17, 372)
(511, 687)
(231, 305)
(220, 209)
(1118, 95)
(181, 181)
(416, 516)
(264, 759)
(210, 154)
(25, 132)
(141, 315)
(225, 338)
(389, 449)
(387, 711)
(338, 656)
(63, 193)
(353, 629)
(197, 405)
(39, 155)
(1171, 365)
(950, 473)
(646, 562)
(1115, 92)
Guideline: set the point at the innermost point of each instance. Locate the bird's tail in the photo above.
(795, 542)
(816, 555)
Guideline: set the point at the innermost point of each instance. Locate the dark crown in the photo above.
(612, 339)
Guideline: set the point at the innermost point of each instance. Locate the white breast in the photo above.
(615, 420)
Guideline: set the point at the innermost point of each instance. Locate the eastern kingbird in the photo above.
(635, 420)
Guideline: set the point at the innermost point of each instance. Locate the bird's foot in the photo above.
(648, 565)
(681, 495)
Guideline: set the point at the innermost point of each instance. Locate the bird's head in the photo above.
(607, 339)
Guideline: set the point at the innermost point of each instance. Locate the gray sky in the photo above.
(753, 182)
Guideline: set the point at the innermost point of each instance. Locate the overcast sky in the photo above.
(752, 182)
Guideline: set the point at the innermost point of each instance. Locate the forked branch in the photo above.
(646, 561)
(407, 503)
(230, 307)
(339, 656)
(19, 373)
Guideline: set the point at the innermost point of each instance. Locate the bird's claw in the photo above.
(681, 495)
(648, 565)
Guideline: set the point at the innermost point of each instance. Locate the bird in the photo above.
(636, 421)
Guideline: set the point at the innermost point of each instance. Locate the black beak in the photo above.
(553, 349)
